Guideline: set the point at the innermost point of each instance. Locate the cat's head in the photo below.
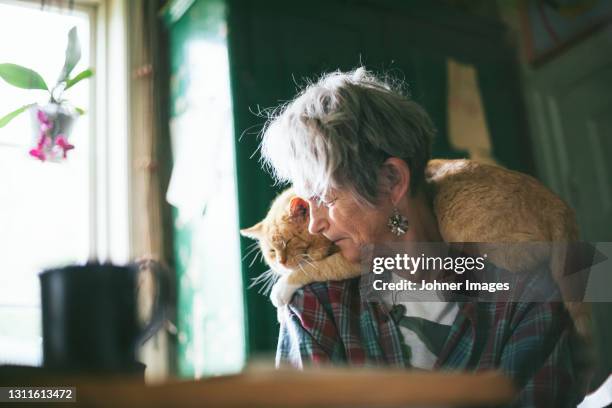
(284, 238)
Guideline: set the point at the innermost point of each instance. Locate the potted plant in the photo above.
(53, 121)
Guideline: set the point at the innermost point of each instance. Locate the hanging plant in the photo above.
(53, 121)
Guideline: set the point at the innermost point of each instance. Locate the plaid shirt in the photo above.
(532, 343)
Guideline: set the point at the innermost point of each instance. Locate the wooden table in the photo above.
(289, 388)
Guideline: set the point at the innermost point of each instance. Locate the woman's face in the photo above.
(341, 219)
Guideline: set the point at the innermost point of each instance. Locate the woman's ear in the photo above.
(395, 179)
(298, 208)
(253, 232)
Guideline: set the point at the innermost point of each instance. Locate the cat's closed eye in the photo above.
(302, 248)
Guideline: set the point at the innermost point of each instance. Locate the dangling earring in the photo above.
(398, 224)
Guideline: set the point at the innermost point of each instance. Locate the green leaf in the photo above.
(7, 118)
(80, 111)
(73, 55)
(82, 75)
(22, 77)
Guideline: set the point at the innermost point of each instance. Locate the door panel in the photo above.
(570, 111)
(573, 126)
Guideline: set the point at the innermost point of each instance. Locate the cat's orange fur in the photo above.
(295, 255)
(483, 203)
(473, 202)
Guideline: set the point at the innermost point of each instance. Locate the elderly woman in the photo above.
(357, 150)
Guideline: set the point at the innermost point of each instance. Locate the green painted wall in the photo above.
(274, 44)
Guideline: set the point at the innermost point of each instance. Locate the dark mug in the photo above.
(90, 321)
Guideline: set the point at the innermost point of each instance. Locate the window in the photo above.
(53, 214)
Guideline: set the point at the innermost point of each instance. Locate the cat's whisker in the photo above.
(255, 281)
(253, 260)
(267, 287)
(262, 277)
(266, 280)
(255, 256)
(250, 251)
(308, 257)
(304, 270)
(253, 249)
(309, 262)
(252, 246)
(313, 266)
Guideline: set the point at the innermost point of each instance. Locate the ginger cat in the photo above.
(473, 202)
(296, 256)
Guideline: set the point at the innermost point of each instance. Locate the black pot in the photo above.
(90, 321)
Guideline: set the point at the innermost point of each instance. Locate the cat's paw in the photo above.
(282, 292)
(281, 313)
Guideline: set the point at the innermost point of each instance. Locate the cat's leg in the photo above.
(283, 290)
(334, 267)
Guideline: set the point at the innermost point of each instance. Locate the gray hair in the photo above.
(338, 131)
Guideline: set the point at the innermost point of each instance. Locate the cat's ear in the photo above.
(253, 232)
(298, 208)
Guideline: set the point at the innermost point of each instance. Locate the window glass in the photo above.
(45, 208)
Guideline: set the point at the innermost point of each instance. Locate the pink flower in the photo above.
(44, 140)
(45, 123)
(49, 147)
(38, 153)
(62, 142)
(42, 117)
